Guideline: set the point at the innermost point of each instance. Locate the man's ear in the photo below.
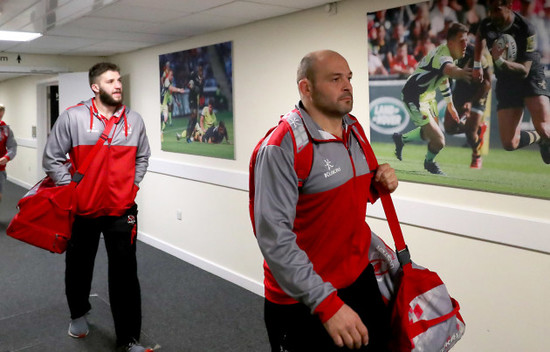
(95, 88)
(304, 86)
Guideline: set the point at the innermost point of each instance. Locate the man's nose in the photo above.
(347, 85)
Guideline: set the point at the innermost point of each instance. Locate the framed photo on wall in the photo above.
(196, 101)
(402, 47)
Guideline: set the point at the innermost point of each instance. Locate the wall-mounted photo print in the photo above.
(196, 101)
(459, 93)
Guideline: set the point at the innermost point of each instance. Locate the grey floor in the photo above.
(184, 308)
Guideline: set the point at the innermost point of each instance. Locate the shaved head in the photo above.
(324, 83)
(308, 65)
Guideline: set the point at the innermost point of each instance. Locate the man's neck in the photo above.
(106, 111)
(330, 124)
(509, 22)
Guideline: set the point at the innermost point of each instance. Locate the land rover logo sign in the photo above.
(388, 115)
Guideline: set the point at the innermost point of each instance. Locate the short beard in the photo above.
(107, 99)
(333, 110)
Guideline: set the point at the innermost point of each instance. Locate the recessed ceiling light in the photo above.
(18, 36)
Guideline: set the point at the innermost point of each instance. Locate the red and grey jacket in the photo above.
(312, 232)
(8, 145)
(111, 182)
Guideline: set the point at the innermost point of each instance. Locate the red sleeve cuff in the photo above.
(330, 305)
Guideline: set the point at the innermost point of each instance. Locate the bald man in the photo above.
(321, 291)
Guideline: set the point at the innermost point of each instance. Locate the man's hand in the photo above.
(477, 75)
(385, 178)
(497, 51)
(453, 112)
(3, 160)
(466, 75)
(346, 328)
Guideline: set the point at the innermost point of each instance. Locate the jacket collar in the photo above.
(117, 114)
(315, 131)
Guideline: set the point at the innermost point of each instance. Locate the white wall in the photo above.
(21, 96)
(502, 289)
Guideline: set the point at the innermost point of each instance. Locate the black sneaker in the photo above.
(398, 140)
(544, 146)
(433, 168)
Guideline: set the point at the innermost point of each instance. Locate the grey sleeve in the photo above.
(11, 145)
(275, 200)
(142, 155)
(59, 143)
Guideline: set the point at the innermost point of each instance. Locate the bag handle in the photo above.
(421, 326)
(79, 174)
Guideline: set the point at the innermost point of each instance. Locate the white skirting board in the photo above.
(206, 265)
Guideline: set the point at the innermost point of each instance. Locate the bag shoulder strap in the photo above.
(303, 146)
(4, 130)
(79, 174)
(303, 154)
(389, 209)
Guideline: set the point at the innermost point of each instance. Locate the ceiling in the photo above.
(108, 27)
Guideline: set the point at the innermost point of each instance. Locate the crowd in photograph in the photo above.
(400, 37)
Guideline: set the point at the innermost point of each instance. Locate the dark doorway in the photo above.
(53, 104)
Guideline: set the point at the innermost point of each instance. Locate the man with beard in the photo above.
(320, 289)
(105, 202)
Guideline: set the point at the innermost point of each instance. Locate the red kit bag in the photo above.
(46, 213)
(45, 216)
(425, 318)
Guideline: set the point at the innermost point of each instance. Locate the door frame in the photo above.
(43, 119)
